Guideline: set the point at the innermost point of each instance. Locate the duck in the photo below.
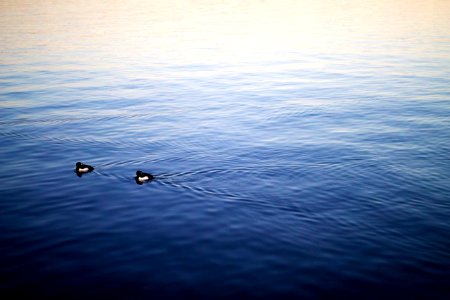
(81, 168)
(143, 177)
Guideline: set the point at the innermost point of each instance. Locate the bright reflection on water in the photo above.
(301, 149)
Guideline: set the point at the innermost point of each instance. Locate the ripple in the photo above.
(226, 196)
(53, 121)
(124, 143)
(173, 180)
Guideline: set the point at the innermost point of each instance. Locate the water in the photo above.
(301, 149)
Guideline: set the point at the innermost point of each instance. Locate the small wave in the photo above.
(118, 177)
(58, 139)
(120, 143)
(25, 121)
(151, 159)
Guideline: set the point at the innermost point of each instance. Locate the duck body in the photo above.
(143, 177)
(81, 168)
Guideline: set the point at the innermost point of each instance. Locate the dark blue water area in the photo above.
(272, 180)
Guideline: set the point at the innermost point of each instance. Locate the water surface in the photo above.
(301, 149)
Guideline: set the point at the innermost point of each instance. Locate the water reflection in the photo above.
(155, 32)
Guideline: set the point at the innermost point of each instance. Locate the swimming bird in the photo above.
(81, 168)
(143, 177)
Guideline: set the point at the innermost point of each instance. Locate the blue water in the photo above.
(290, 160)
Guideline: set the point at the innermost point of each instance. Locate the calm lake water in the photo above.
(301, 149)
